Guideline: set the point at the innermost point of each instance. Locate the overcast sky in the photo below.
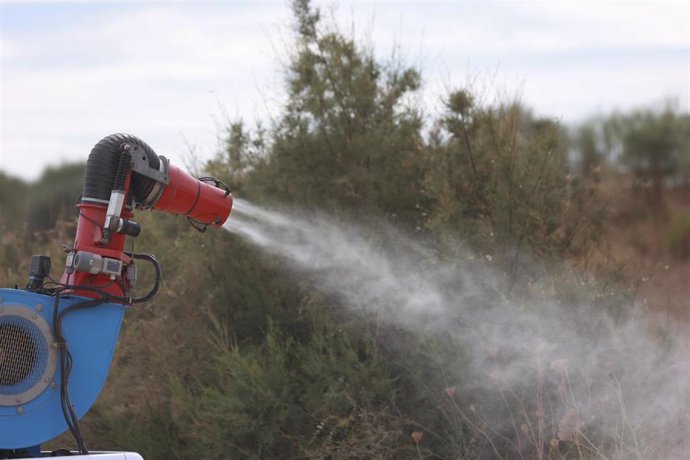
(170, 72)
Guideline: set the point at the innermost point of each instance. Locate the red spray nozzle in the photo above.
(198, 199)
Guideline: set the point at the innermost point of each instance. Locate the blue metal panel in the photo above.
(91, 336)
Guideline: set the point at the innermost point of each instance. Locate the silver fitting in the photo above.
(95, 264)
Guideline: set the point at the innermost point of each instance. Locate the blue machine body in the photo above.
(30, 408)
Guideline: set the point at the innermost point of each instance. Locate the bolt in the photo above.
(19, 400)
(53, 385)
(39, 307)
(20, 409)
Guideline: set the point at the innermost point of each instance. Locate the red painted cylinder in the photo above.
(88, 238)
(188, 196)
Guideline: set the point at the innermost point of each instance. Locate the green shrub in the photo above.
(287, 397)
(676, 238)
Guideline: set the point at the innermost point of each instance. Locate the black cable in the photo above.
(65, 357)
(61, 286)
(95, 289)
(216, 183)
(71, 418)
(124, 298)
(68, 412)
(198, 225)
(157, 283)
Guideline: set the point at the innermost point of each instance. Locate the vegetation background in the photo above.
(239, 355)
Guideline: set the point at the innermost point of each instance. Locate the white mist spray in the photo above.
(604, 372)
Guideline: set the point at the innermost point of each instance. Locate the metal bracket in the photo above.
(140, 165)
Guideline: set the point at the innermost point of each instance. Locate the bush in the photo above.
(287, 397)
(676, 238)
(499, 180)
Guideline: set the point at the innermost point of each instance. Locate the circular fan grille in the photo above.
(18, 350)
(27, 360)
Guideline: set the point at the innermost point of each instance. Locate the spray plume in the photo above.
(598, 372)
